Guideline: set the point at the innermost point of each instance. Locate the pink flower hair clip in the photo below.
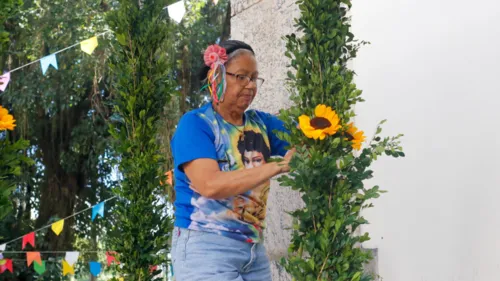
(214, 55)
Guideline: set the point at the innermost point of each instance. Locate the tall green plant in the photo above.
(329, 168)
(143, 86)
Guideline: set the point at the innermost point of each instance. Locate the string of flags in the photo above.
(87, 46)
(71, 257)
(176, 12)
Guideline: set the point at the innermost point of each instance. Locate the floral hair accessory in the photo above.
(215, 54)
(215, 57)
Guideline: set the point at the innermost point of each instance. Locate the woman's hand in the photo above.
(284, 165)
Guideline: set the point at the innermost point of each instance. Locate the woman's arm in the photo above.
(210, 182)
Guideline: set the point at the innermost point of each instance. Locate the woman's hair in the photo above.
(253, 141)
(231, 47)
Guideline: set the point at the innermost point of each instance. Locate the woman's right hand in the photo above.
(284, 165)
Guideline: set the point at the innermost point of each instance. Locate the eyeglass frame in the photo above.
(248, 79)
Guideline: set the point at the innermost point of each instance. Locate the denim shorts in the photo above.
(204, 256)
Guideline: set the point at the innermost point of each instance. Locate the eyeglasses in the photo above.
(244, 80)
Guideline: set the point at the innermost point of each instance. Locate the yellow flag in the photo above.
(89, 45)
(58, 226)
(67, 269)
(121, 279)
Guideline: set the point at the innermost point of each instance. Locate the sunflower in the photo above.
(326, 122)
(355, 136)
(6, 120)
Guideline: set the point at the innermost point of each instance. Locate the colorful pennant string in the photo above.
(88, 46)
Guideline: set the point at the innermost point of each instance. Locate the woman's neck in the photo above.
(231, 116)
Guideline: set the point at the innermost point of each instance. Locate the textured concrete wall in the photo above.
(262, 24)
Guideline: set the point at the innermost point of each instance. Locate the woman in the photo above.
(221, 154)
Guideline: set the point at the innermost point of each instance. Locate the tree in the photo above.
(62, 114)
(329, 167)
(143, 82)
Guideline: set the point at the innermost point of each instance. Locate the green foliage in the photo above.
(11, 159)
(329, 174)
(143, 86)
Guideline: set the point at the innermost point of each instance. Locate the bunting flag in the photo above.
(95, 268)
(29, 238)
(67, 269)
(110, 257)
(57, 227)
(71, 257)
(89, 45)
(1, 258)
(7, 266)
(2, 247)
(177, 11)
(47, 61)
(121, 279)
(33, 256)
(4, 81)
(2, 261)
(98, 210)
(40, 268)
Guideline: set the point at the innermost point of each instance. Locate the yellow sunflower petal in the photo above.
(319, 111)
(304, 121)
(318, 134)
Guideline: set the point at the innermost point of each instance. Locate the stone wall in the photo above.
(262, 24)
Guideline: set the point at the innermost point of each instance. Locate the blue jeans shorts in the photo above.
(204, 256)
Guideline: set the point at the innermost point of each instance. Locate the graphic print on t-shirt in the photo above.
(203, 133)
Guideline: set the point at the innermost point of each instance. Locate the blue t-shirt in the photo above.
(203, 133)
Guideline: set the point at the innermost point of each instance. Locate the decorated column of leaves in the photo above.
(332, 160)
(142, 87)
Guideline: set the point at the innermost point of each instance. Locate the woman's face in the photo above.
(252, 159)
(240, 96)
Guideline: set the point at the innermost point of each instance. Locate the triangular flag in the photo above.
(110, 257)
(95, 268)
(98, 210)
(58, 226)
(40, 268)
(47, 61)
(2, 247)
(1, 258)
(29, 238)
(67, 269)
(7, 266)
(33, 256)
(2, 261)
(4, 81)
(177, 11)
(71, 257)
(89, 45)
(121, 279)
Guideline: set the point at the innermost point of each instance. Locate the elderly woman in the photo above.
(222, 174)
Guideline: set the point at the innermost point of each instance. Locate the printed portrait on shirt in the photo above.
(254, 152)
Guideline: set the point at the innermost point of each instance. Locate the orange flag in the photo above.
(33, 256)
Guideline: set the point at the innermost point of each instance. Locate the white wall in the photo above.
(433, 70)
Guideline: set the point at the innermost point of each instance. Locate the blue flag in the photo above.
(95, 268)
(98, 210)
(47, 61)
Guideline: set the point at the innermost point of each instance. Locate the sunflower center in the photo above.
(319, 123)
